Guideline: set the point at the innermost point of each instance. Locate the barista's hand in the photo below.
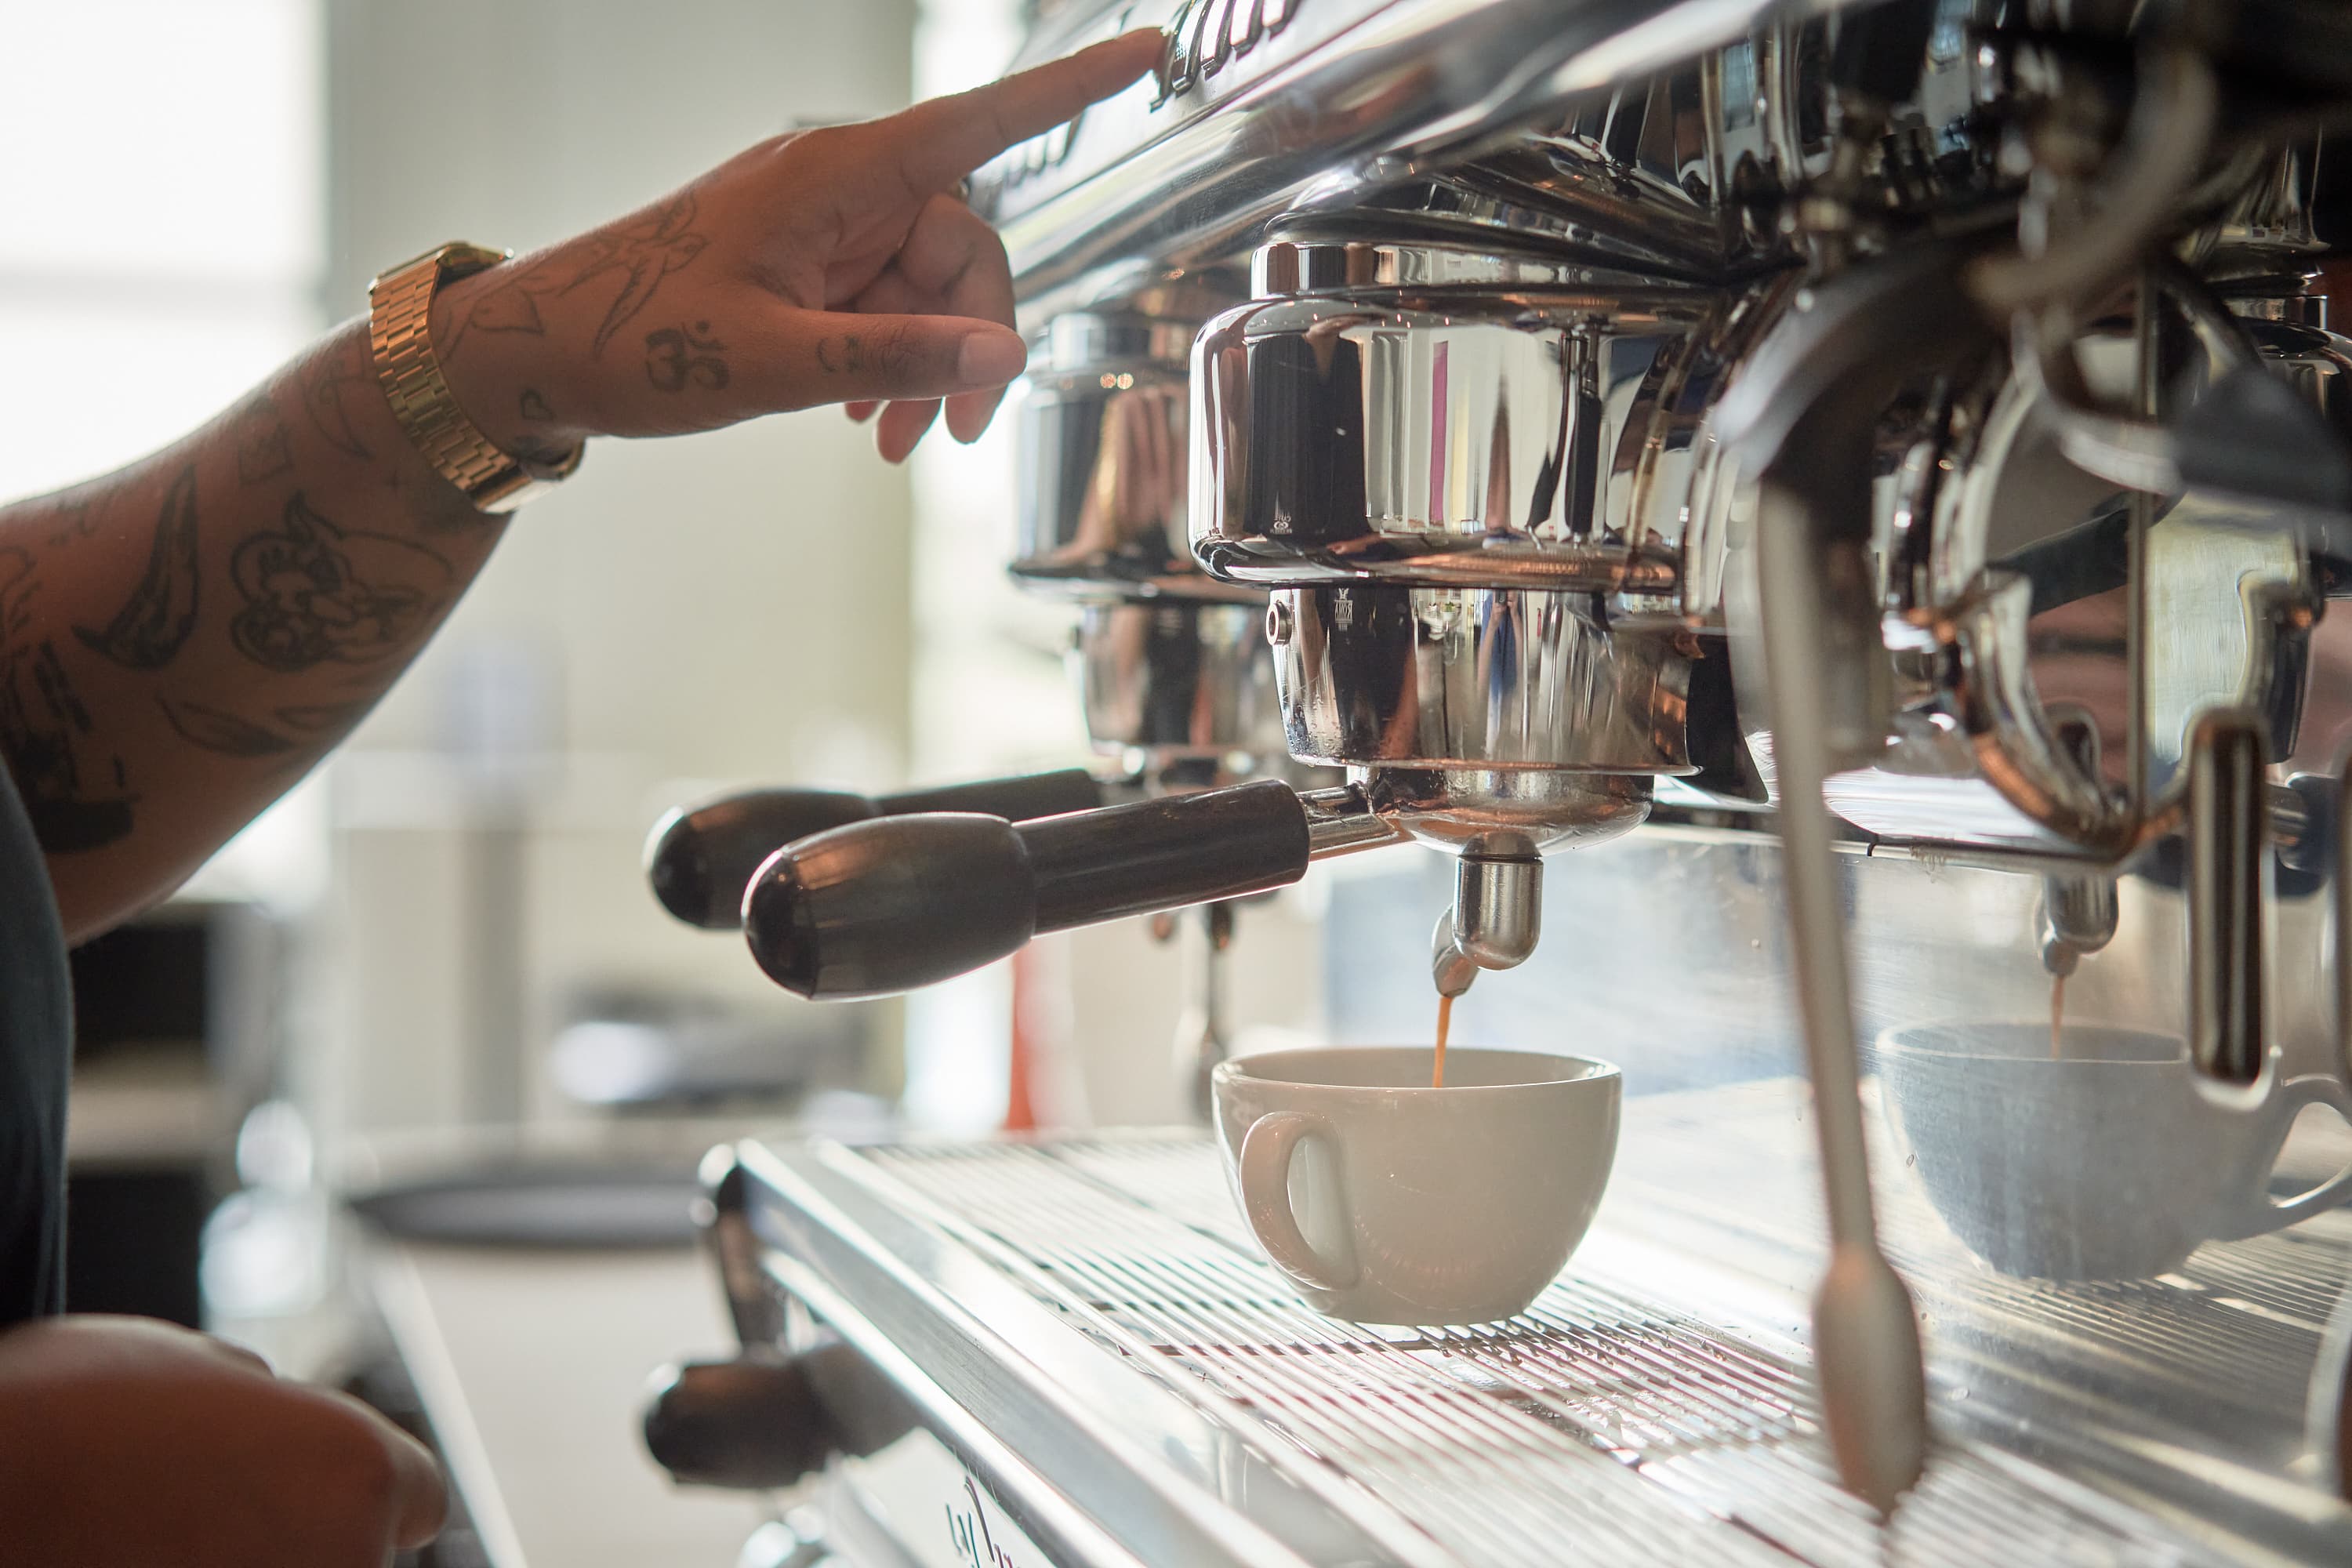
(123, 1441)
(830, 266)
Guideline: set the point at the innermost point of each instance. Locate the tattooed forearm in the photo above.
(265, 443)
(677, 357)
(180, 639)
(533, 406)
(70, 521)
(342, 372)
(215, 731)
(18, 588)
(641, 254)
(316, 728)
(149, 631)
(511, 306)
(325, 719)
(75, 792)
(314, 594)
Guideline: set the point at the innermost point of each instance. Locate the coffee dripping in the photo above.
(1887, 468)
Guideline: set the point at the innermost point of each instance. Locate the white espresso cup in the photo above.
(1386, 1201)
(2110, 1161)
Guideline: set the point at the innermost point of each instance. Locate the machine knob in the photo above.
(700, 859)
(754, 1424)
(904, 902)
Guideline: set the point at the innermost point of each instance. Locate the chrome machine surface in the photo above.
(1869, 482)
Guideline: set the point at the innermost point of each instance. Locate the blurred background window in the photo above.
(161, 227)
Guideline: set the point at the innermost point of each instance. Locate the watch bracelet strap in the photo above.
(399, 334)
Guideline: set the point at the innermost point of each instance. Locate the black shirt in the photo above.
(35, 1056)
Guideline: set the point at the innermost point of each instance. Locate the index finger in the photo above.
(948, 138)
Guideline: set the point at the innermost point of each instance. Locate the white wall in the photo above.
(727, 608)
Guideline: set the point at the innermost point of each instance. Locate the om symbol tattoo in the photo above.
(678, 357)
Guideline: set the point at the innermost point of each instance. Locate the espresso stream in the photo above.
(2057, 1015)
(1445, 1024)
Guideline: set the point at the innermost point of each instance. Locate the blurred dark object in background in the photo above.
(174, 1043)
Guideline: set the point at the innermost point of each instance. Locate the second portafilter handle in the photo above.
(700, 859)
(896, 903)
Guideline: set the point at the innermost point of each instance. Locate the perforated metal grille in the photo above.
(2216, 1357)
(1596, 1428)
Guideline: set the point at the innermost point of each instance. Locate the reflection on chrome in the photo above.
(1604, 428)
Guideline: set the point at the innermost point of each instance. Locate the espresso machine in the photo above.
(1871, 480)
(1170, 665)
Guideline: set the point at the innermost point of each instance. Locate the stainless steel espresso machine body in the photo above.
(1860, 488)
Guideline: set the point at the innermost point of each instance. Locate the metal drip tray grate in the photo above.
(1598, 1428)
(2217, 1357)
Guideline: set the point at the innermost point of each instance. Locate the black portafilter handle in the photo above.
(755, 1424)
(701, 858)
(765, 1421)
(900, 902)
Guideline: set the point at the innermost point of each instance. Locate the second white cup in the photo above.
(1387, 1201)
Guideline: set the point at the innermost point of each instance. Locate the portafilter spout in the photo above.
(2079, 909)
(1496, 917)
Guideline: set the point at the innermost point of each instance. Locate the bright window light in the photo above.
(161, 219)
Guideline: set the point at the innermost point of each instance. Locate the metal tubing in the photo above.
(2146, 319)
(1341, 822)
(2344, 922)
(2229, 846)
(1865, 1335)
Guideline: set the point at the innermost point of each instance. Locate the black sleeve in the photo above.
(36, 1058)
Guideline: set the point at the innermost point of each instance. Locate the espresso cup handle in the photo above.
(2312, 1089)
(1264, 1169)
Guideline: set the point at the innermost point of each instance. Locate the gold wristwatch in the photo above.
(400, 306)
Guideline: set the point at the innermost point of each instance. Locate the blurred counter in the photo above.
(531, 1365)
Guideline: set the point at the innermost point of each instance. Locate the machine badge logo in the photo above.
(969, 1538)
(1206, 35)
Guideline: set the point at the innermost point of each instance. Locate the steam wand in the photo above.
(1801, 420)
(1865, 1336)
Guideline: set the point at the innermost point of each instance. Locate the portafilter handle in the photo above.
(899, 902)
(700, 859)
(754, 1424)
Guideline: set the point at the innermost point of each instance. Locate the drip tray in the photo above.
(1648, 1408)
